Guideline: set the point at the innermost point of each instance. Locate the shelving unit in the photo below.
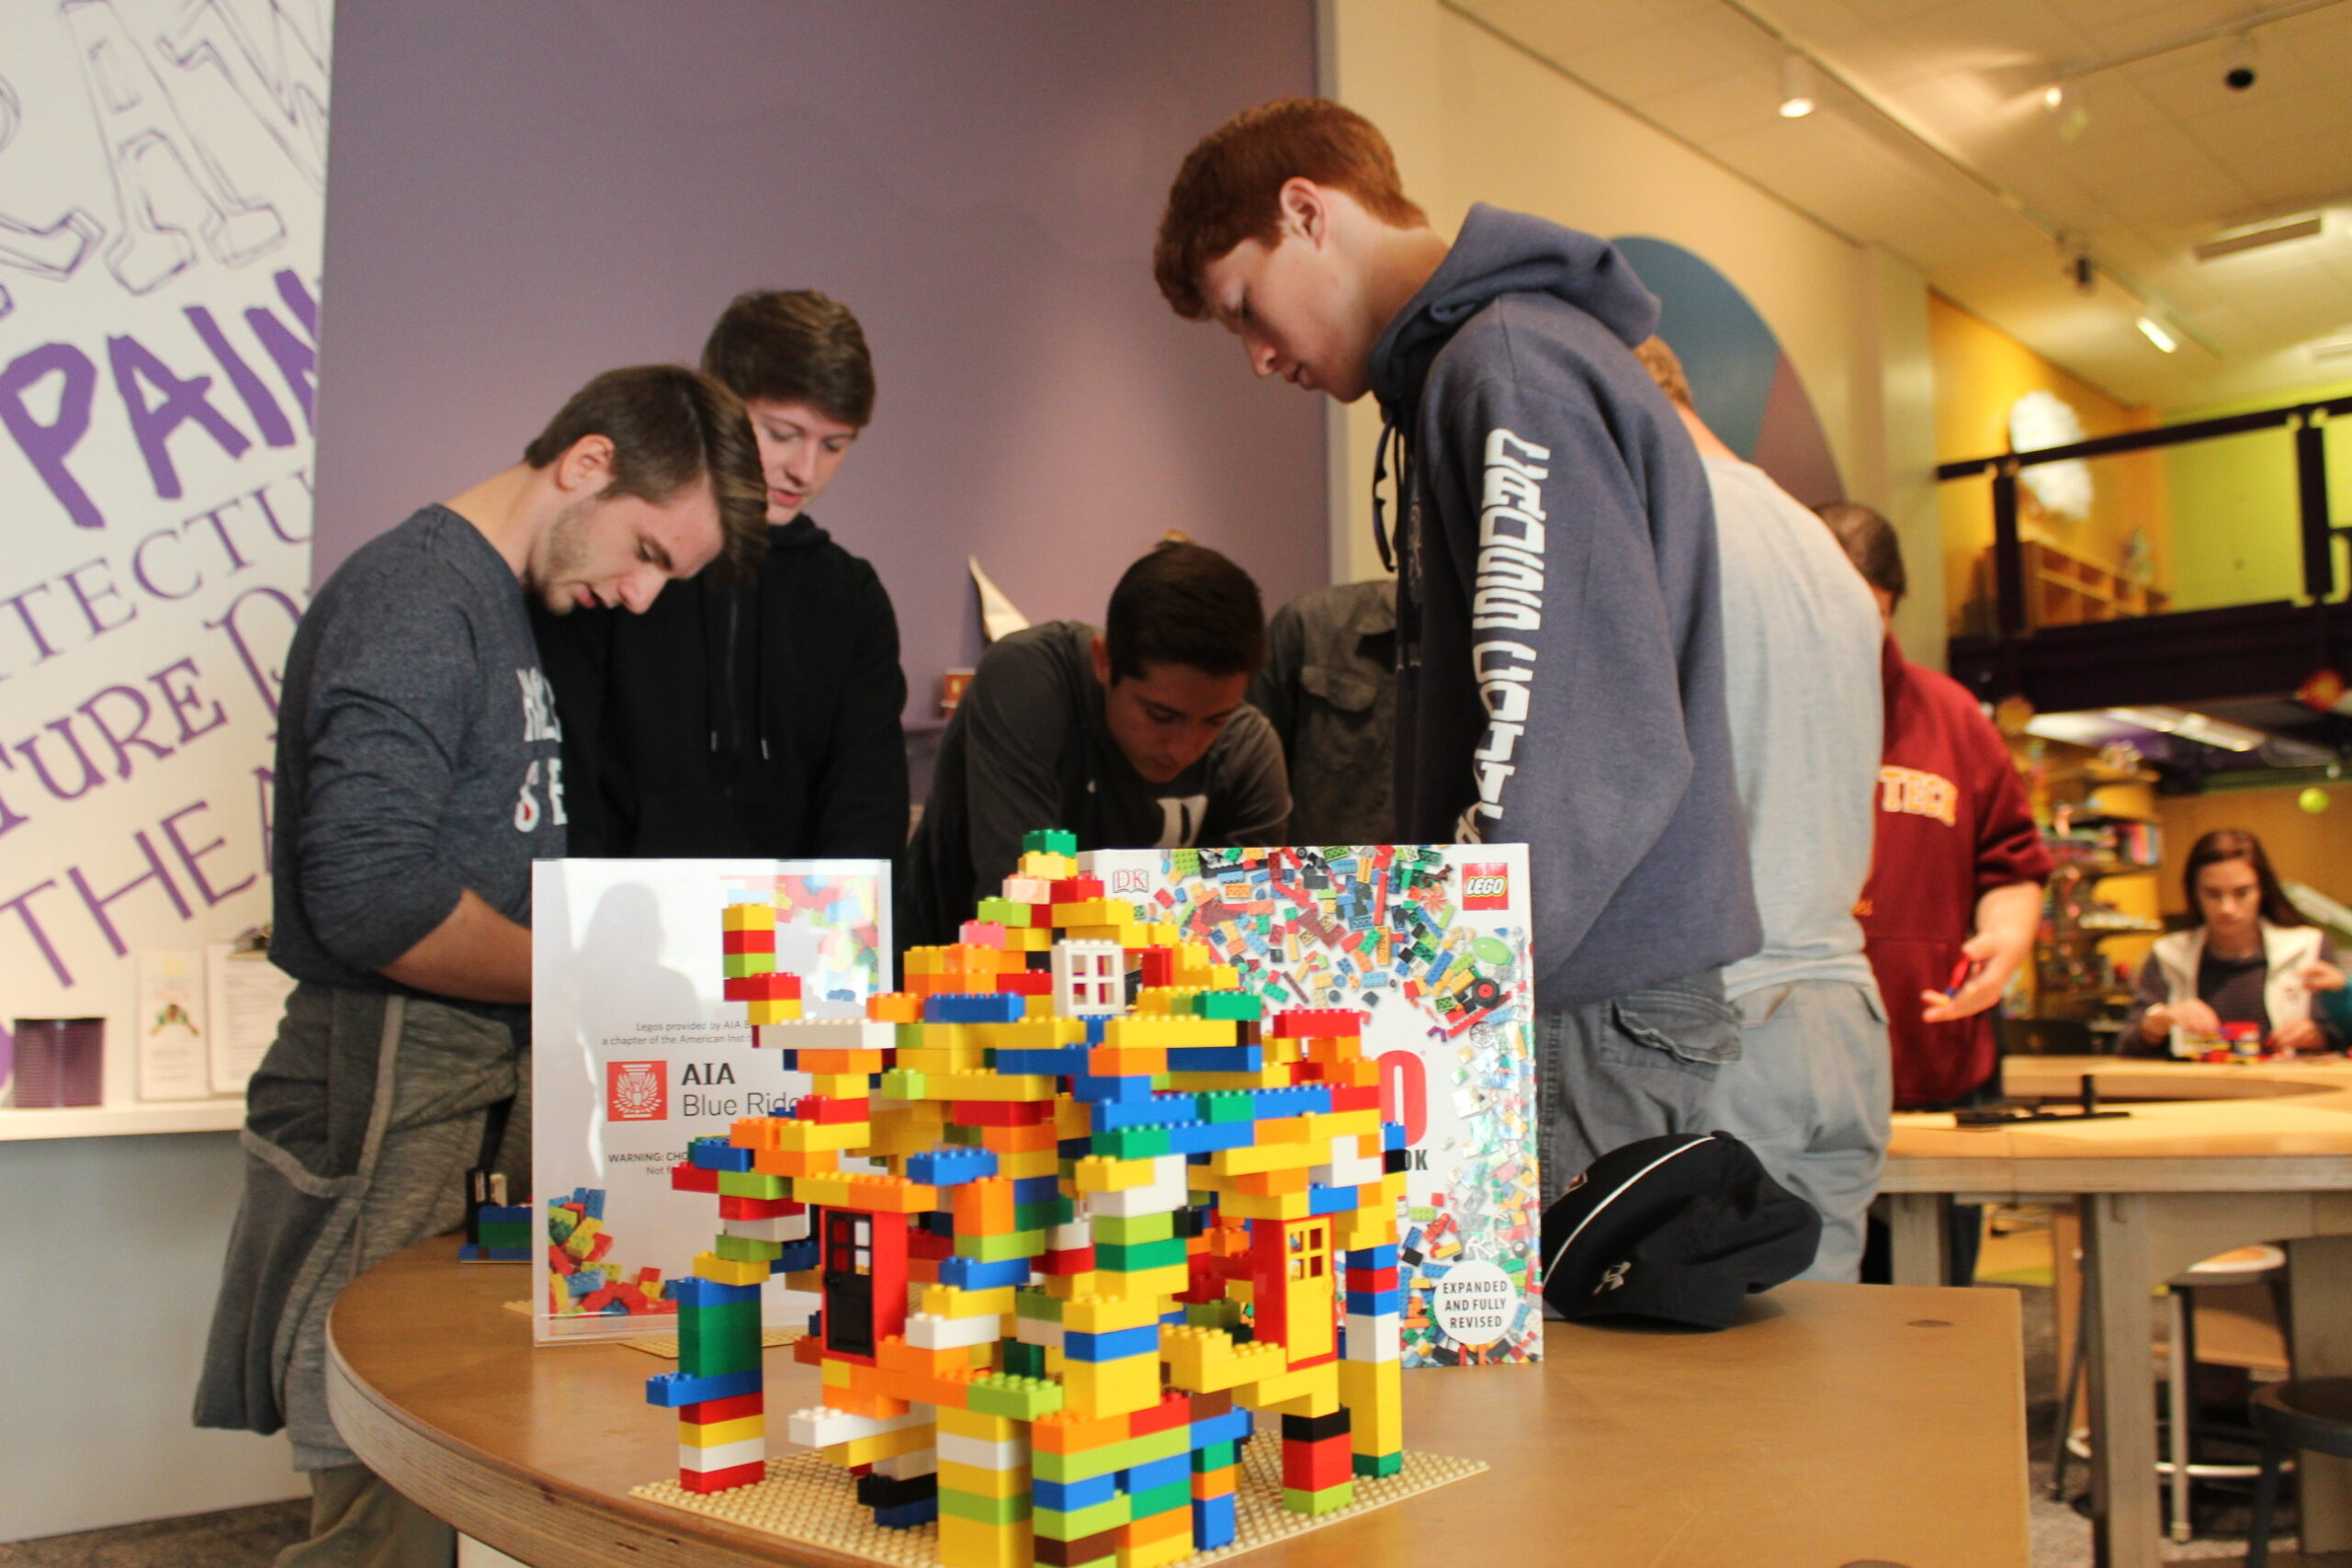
(2061, 590)
(2100, 915)
(119, 1121)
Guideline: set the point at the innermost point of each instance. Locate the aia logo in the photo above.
(637, 1091)
(1486, 888)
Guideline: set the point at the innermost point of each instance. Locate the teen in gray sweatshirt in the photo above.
(1559, 622)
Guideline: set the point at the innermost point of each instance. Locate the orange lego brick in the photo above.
(1125, 1061)
(894, 1007)
(983, 1207)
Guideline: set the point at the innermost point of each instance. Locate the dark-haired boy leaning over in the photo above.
(1135, 736)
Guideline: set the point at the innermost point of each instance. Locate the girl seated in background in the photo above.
(2249, 960)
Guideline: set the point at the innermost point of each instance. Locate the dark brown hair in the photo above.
(671, 428)
(1186, 605)
(1870, 542)
(1229, 186)
(2236, 843)
(794, 346)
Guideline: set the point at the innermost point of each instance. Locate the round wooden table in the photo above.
(1833, 1425)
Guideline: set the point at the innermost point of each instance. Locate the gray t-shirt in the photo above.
(1029, 748)
(418, 755)
(1801, 684)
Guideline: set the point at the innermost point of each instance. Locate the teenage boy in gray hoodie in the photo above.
(1559, 624)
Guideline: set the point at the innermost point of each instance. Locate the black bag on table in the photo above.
(1680, 1228)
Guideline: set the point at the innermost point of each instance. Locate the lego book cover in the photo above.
(634, 1050)
(1431, 941)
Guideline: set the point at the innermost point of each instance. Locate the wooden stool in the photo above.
(2313, 1414)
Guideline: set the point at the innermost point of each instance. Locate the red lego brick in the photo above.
(1371, 1278)
(561, 1261)
(712, 1411)
(1026, 982)
(748, 942)
(824, 1107)
(1077, 889)
(923, 1243)
(686, 1178)
(1175, 1409)
(1317, 1024)
(741, 988)
(1356, 1097)
(999, 1112)
(734, 1475)
(1158, 966)
(731, 1208)
(1317, 1467)
(1070, 1260)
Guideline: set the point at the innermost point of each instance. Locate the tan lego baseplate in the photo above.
(666, 1345)
(806, 1498)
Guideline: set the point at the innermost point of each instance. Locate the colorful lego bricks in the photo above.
(1118, 1212)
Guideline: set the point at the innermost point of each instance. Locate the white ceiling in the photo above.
(1932, 140)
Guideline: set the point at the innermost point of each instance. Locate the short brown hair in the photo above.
(1184, 603)
(1230, 189)
(1870, 542)
(794, 346)
(671, 428)
(1665, 366)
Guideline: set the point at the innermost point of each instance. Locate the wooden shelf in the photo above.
(24, 1125)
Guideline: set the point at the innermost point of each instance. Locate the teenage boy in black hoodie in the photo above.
(754, 718)
(1559, 624)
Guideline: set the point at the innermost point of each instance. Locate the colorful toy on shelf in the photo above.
(1109, 1224)
(496, 1231)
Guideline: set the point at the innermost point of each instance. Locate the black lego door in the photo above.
(849, 1282)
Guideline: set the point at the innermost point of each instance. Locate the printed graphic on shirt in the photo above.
(528, 810)
(539, 723)
(1507, 597)
(539, 707)
(1911, 792)
(1180, 820)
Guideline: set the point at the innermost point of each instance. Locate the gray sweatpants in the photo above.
(1811, 1094)
(1632, 1067)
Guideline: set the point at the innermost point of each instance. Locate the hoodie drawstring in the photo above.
(1390, 432)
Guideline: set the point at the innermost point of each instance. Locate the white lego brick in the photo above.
(820, 1427)
(931, 1332)
(1028, 889)
(1009, 1453)
(1090, 978)
(1070, 1237)
(775, 1227)
(898, 1467)
(726, 1456)
(831, 1035)
(1166, 1192)
(1380, 1339)
(1038, 1331)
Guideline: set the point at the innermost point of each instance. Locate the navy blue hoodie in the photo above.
(1560, 625)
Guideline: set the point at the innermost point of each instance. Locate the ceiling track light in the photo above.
(2154, 331)
(1796, 86)
(2053, 97)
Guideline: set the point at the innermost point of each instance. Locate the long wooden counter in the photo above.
(1835, 1424)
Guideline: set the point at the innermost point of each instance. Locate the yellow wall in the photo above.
(1981, 372)
(2302, 846)
(2235, 526)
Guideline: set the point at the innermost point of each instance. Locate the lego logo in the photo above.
(637, 1091)
(1486, 888)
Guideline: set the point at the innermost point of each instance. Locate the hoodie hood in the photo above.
(801, 533)
(1500, 253)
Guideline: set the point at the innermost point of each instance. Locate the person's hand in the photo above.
(2193, 1017)
(2321, 976)
(1990, 964)
(2296, 1037)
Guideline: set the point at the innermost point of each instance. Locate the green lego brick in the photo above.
(1212, 1457)
(714, 1341)
(752, 1184)
(1323, 1502)
(898, 1083)
(1022, 1359)
(1162, 1499)
(1003, 911)
(1053, 1524)
(1131, 1143)
(1235, 1005)
(1044, 1216)
(1227, 1105)
(1132, 1230)
(562, 1222)
(746, 1249)
(1134, 1258)
(505, 1232)
(1111, 1456)
(1030, 1301)
(1000, 1249)
(1016, 1398)
(1049, 842)
(1218, 1314)
(987, 1510)
(1379, 1465)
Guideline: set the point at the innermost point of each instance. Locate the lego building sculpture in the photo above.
(1105, 1232)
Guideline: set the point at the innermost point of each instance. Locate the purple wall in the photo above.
(525, 192)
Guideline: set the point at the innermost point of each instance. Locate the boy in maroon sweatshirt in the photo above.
(1957, 870)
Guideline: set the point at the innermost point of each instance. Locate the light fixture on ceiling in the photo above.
(2276, 231)
(2329, 349)
(2154, 331)
(2188, 726)
(1796, 86)
(2053, 97)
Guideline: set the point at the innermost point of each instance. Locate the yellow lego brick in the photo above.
(973, 1481)
(747, 917)
(1374, 1394)
(1019, 1164)
(726, 1271)
(968, 1543)
(959, 1421)
(1356, 1230)
(1250, 1206)
(763, 1013)
(1069, 1287)
(1126, 935)
(1096, 1173)
(716, 1433)
(926, 1060)
(1270, 1077)
(1321, 1127)
(1148, 1283)
(871, 1193)
(907, 1129)
(1111, 1388)
(1057, 1362)
(806, 1137)
(991, 1086)
(1313, 1390)
(1166, 1033)
(1273, 1151)
(1030, 1034)
(839, 1086)
(1207, 1361)
(946, 1301)
(1029, 939)
(1071, 1118)
(1045, 867)
(836, 1374)
(882, 1445)
(1108, 1314)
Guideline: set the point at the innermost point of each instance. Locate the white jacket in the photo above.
(2286, 949)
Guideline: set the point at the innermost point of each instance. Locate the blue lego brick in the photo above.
(1062, 1062)
(1372, 1304)
(1370, 1257)
(1069, 1497)
(950, 1168)
(1095, 1029)
(494, 1213)
(1216, 1059)
(1392, 1136)
(907, 1516)
(1301, 1100)
(586, 1283)
(591, 1200)
(971, 1274)
(1115, 1346)
(695, 1291)
(1233, 1427)
(1200, 1137)
(1213, 1522)
(1155, 1474)
(715, 1154)
(1145, 1110)
(1332, 1200)
(788, 1060)
(1094, 1090)
(670, 1390)
(1029, 1189)
(983, 1007)
(797, 1256)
